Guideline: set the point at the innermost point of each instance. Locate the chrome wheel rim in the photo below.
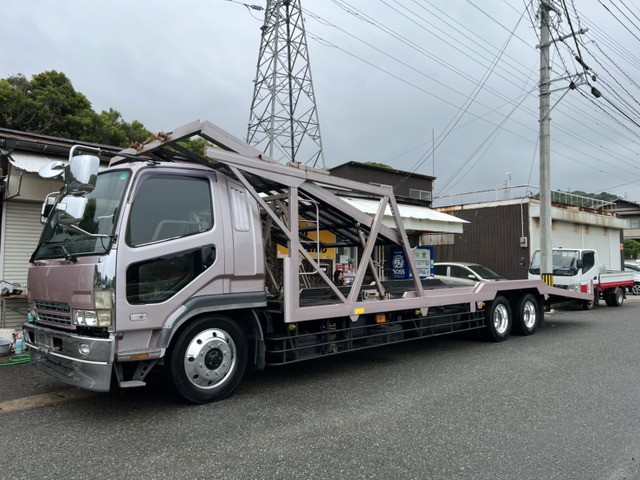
(210, 358)
(529, 315)
(500, 319)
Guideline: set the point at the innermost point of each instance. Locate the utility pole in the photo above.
(546, 264)
(284, 119)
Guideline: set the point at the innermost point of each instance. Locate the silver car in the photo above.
(463, 273)
(635, 268)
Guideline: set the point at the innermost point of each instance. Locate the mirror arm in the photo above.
(85, 148)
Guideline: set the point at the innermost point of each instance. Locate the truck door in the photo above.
(170, 248)
(589, 270)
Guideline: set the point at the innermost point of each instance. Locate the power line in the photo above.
(617, 98)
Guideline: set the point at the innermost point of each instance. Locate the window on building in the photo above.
(634, 223)
(381, 185)
(420, 194)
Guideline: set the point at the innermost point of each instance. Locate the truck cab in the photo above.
(573, 268)
(127, 257)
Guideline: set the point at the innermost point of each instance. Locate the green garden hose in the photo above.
(16, 360)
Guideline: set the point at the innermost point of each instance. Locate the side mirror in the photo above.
(51, 170)
(73, 208)
(579, 264)
(81, 174)
(47, 206)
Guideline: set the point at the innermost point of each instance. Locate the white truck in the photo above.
(579, 269)
(170, 260)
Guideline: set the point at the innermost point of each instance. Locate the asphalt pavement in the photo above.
(23, 380)
(561, 404)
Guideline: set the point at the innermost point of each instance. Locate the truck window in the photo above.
(158, 279)
(169, 207)
(588, 261)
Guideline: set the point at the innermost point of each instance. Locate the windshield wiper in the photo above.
(93, 235)
(68, 256)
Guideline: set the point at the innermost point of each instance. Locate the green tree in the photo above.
(631, 248)
(606, 196)
(48, 104)
(111, 129)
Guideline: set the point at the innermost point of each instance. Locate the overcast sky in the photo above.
(389, 77)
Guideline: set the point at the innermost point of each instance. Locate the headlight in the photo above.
(85, 318)
(101, 315)
(92, 318)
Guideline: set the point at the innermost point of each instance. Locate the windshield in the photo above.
(484, 272)
(92, 234)
(565, 262)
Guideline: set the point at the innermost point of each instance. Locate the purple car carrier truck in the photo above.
(202, 265)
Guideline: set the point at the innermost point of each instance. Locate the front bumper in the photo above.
(84, 362)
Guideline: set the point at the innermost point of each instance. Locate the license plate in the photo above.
(43, 339)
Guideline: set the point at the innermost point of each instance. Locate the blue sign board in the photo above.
(423, 257)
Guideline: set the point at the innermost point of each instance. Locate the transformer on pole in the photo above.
(284, 119)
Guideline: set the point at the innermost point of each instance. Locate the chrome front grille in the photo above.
(54, 313)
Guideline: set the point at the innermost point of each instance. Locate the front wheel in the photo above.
(635, 289)
(594, 303)
(498, 320)
(208, 360)
(526, 315)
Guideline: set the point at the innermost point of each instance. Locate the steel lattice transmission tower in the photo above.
(284, 117)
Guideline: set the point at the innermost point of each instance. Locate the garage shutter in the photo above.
(605, 241)
(22, 230)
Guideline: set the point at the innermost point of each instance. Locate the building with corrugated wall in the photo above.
(503, 232)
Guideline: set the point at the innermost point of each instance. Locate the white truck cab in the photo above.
(579, 269)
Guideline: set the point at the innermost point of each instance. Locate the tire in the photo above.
(635, 289)
(498, 320)
(208, 360)
(617, 297)
(614, 299)
(595, 302)
(527, 315)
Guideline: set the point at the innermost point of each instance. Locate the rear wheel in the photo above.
(616, 298)
(635, 289)
(526, 315)
(208, 360)
(498, 320)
